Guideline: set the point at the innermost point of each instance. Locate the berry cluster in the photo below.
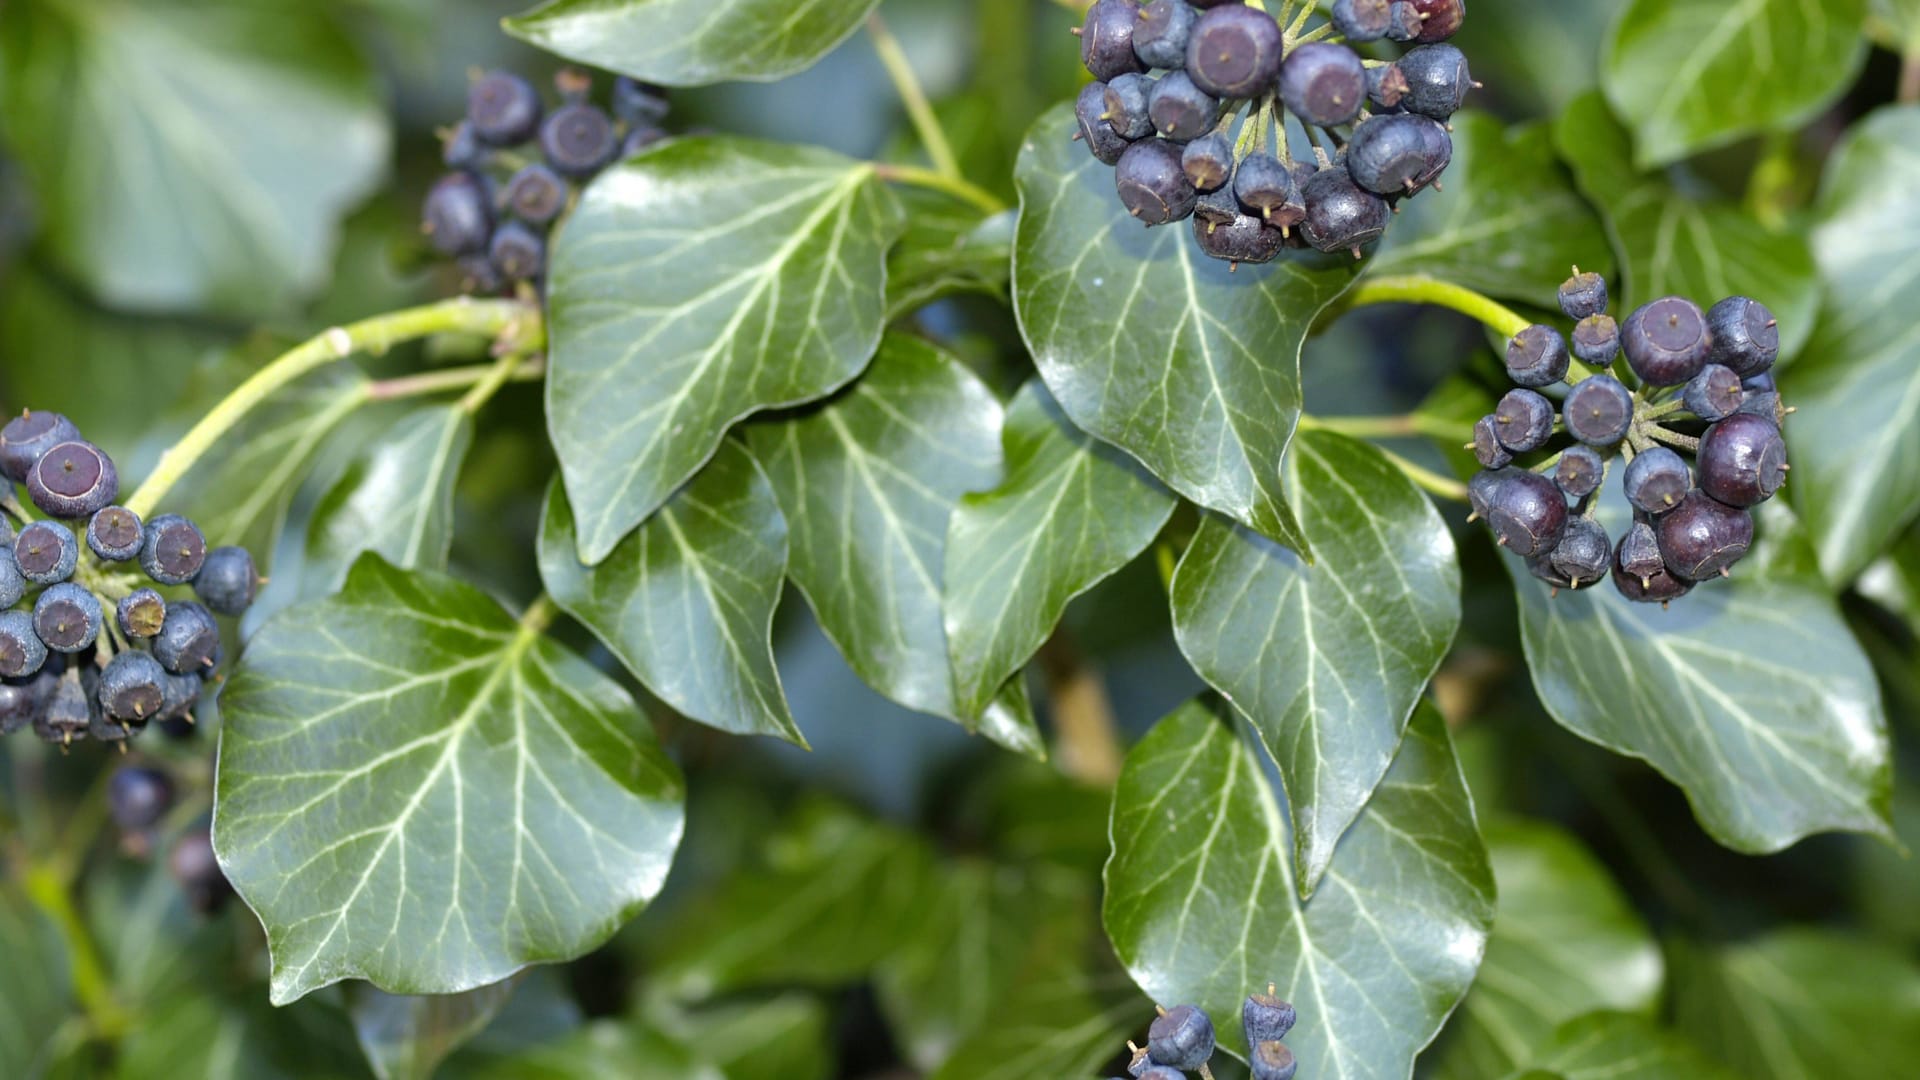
(492, 213)
(1225, 67)
(1703, 386)
(65, 668)
(1181, 1039)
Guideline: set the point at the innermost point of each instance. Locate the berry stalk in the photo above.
(914, 97)
(960, 188)
(447, 380)
(1420, 289)
(48, 889)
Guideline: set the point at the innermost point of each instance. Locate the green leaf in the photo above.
(229, 1035)
(1201, 903)
(34, 984)
(601, 1049)
(1856, 439)
(788, 1036)
(1070, 512)
(1748, 693)
(948, 248)
(686, 601)
(1800, 1003)
(396, 498)
(701, 281)
(1672, 68)
(1565, 942)
(418, 790)
(1895, 24)
(1671, 242)
(1623, 1046)
(1058, 1023)
(171, 146)
(408, 1035)
(1156, 348)
(1510, 223)
(1327, 661)
(692, 42)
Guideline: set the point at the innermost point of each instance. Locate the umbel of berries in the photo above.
(515, 166)
(1223, 114)
(90, 647)
(1691, 422)
(1181, 1041)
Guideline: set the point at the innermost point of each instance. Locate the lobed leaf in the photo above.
(692, 42)
(396, 498)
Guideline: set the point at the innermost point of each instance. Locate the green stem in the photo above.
(919, 109)
(49, 891)
(538, 616)
(1672, 438)
(1420, 289)
(964, 190)
(1432, 482)
(447, 380)
(1401, 426)
(496, 377)
(490, 318)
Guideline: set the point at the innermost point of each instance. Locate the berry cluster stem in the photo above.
(1421, 289)
(914, 96)
(965, 190)
(51, 892)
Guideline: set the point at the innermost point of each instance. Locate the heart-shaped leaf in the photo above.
(419, 790)
(1509, 224)
(1672, 243)
(1857, 435)
(703, 280)
(1671, 66)
(692, 42)
(1202, 908)
(1327, 661)
(396, 498)
(1154, 347)
(1620, 1046)
(1070, 512)
(171, 147)
(687, 600)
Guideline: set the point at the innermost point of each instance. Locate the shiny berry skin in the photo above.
(1656, 587)
(1208, 161)
(189, 641)
(1715, 393)
(578, 140)
(227, 582)
(1181, 1037)
(1598, 410)
(141, 613)
(1263, 185)
(18, 704)
(131, 687)
(1742, 460)
(1537, 356)
(1218, 208)
(1362, 20)
(138, 797)
(22, 653)
(1386, 88)
(182, 693)
(458, 214)
(1523, 421)
(1104, 143)
(1324, 84)
(1106, 39)
(1480, 488)
(1583, 553)
(1265, 1018)
(1388, 154)
(1583, 295)
(1437, 80)
(1151, 183)
(1234, 51)
(517, 252)
(1596, 340)
(1657, 480)
(197, 870)
(13, 585)
(67, 617)
(536, 194)
(1126, 105)
(67, 715)
(1488, 450)
(1703, 536)
(1638, 552)
(46, 552)
(1666, 341)
(1271, 1060)
(73, 480)
(503, 108)
(1239, 238)
(30, 435)
(174, 550)
(1341, 216)
(639, 104)
(1442, 19)
(1179, 110)
(1579, 471)
(1161, 31)
(115, 534)
(1746, 337)
(1404, 21)
(1528, 514)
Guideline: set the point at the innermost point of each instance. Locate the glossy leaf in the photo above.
(691, 42)
(686, 601)
(1800, 1003)
(948, 248)
(1671, 67)
(1070, 512)
(1566, 941)
(1509, 223)
(1154, 347)
(1201, 903)
(1856, 439)
(396, 498)
(1329, 660)
(199, 184)
(409, 1035)
(1671, 242)
(418, 790)
(700, 281)
(1623, 1046)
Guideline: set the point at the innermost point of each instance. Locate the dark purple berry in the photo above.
(131, 687)
(1440, 19)
(1703, 536)
(1342, 216)
(1655, 585)
(114, 534)
(1240, 238)
(21, 651)
(1126, 105)
(1528, 514)
(197, 870)
(138, 797)
(1437, 80)
(1271, 1060)
(1362, 20)
(1742, 460)
(1596, 340)
(173, 551)
(1745, 336)
(1263, 185)
(13, 585)
(67, 617)
(1208, 161)
(1666, 341)
(536, 194)
(182, 693)
(21, 699)
(1324, 84)
(1523, 421)
(1104, 143)
(1715, 393)
(1579, 471)
(1389, 154)
(1657, 480)
(1234, 51)
(1583, 295)
(517, 252)
(578, 140)
(1404, 21)
(1106, 39)
(1583, 553)
(227, 581)
(1161, 31)
(1181, 1037)
(73, 480)
(1537, 356)
(30, 435)
(639, 104)
(1151, 183)
(1179, 110)
(1386, 88)
(140, 613)
(1266, 1018)
(458, 214)
(1480, 489)
(189, 640)
(1218, 208)
(1598, 410)
(463, 149)
(67, 715)
(45, 552)
(503, 108)
(1488, 450)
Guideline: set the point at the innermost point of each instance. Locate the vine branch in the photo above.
(960, 188)
(914, 96)
(1421, 289)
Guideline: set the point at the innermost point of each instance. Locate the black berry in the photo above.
(73, 480)
(1362, 20)
(458, 214)
(67, 715)
(1742, 460)
(1583, 295)
(1579, 471)
(1583, 552)
(131, 687)
(517, 252)
(1180, 110)
(1151, 183)
(138, 797)
(1271, 1060)
(1404, 21)
(1537, 356)
(189, 640)
(1181, 1037)
(1528, 514)
(1265, 1018)
(1598, 410)
(1666, 341)
(20, 700)
(1161, 31)
(1263, 185)
(1239, 238)
(1657, 480)
(1715, 393)
(1488, 450)
(1089, 109)
(1389, 154)
(1703, 536)
(1234, 51)
(46, 552)
(1324, 84)
(1208, 161)
(173, 551)
(1437, 80)
(1126, 105)
(197, 870)
(639, 104)
(12, 585)
(578, 140)
(1386, 88)
(1523, 421)
(536, 194)
(141, 613)
(1745, 336)
(463, 149)
(30, 435)
(1657, 586)
(1106, 39)
(67, 617)
(1596, 340)
(1439, 19)
(182, 693)
(115, 534)
(1341, 216)
(503, 108)
(21, 651)
(227, 581)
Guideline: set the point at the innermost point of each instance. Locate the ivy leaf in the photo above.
(687, 600)
(948, 248)
(171, 151)
(703, 280)
(788, 1036)
(1669, 65)
(418, 790)
(1749, 693)
(396, 498)
(407, 1036)
(1156, 348)
(1799, 1002)
(1856, 438)
(1510, 223)
(237, 1036)
(1201, 903)
(1070, 512)
(692, 42)
(35, 984)
(1673, 243)
(1565, 942)
(600, 1049)
(1327, 661)
(1623, 1046)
